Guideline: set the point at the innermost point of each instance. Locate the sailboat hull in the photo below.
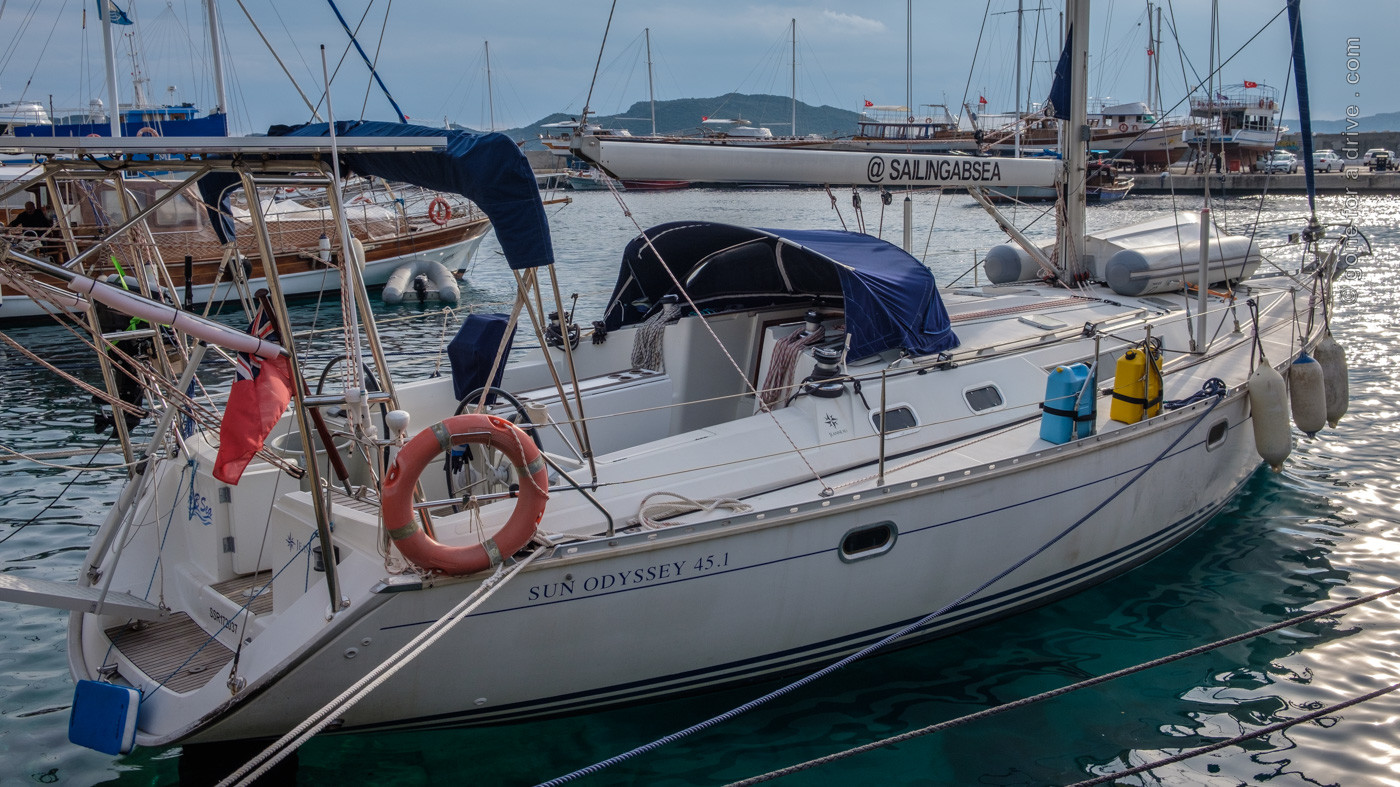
(653, 613)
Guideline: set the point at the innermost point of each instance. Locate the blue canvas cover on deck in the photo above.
(488, 169)
(890, 298)
(472, 351)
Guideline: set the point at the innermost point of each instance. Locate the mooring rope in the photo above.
(869, 649)
(1051, 694)
(646, 341)
(782, 367)
(303, 732)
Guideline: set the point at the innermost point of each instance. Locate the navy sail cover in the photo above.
(890, 299)
(488, 169)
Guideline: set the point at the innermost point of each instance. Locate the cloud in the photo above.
(852, 23)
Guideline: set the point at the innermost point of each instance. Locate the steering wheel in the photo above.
(480, 469)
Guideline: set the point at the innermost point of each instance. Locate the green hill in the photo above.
(683, 116)
(1385, 121)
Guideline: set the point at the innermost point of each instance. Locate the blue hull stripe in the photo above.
(1000, 604)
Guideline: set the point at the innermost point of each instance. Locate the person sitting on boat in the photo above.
(33, 217)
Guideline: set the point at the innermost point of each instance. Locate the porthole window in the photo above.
(983, 398)
(868, 541)
(894, 419)
(1217, 434)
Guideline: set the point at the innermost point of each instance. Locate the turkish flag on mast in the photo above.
(869, 103)
(256, 401)
(981, 99)
(1247, 83)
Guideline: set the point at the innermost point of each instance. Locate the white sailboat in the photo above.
(779, 447)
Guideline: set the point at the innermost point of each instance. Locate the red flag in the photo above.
(256, 401)
(1247, 83)
(981, 99)
(1150, 53)
(869, 103)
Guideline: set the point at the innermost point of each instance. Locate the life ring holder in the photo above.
(439, 212)
(147, 131)
(1122, 126)
(399, 482)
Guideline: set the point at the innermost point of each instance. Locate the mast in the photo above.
(1019, 11)
(490, 101)
(794, 78)
(1157, 65)
(138, 80)
(216, 51)
(109, 49)
(909, 58)
(1202, 272)
(1074, 132)
(651, 87)
(1151, 55)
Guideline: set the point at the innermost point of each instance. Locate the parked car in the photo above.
(1370, 157)
(1328, 160)
(1278, 161)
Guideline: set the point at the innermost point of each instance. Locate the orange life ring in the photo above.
(1261, 103)
(427, 445)
(94, 135)
(147, 131)
(1122, 126)
(439, 212)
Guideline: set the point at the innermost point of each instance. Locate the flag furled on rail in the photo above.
(256, 402)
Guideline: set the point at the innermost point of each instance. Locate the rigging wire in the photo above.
(61, 492)
(1084, 684)
(881, 644)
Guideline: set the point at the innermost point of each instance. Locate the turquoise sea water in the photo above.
(1322, 531)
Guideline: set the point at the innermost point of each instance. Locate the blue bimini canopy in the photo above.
(488, 169)
(890, 299)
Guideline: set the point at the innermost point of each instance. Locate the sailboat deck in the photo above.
(174, 651)
(241, 590)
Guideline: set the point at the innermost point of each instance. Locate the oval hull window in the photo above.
(868, 541)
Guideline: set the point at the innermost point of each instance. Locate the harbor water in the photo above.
(1321, 532)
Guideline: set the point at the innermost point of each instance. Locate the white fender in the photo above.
(1333, 360)
(1268, 410)
(442, 285)
(1307, 394)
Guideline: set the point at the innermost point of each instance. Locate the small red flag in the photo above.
(981, 99)
(1150, 53)
(869, 103)
(1247, 83)
(256, 401)
(703, 118)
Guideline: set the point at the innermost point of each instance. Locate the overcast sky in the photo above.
(542, 54)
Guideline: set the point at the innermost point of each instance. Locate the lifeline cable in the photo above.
(916, 625)
(1051, 694)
